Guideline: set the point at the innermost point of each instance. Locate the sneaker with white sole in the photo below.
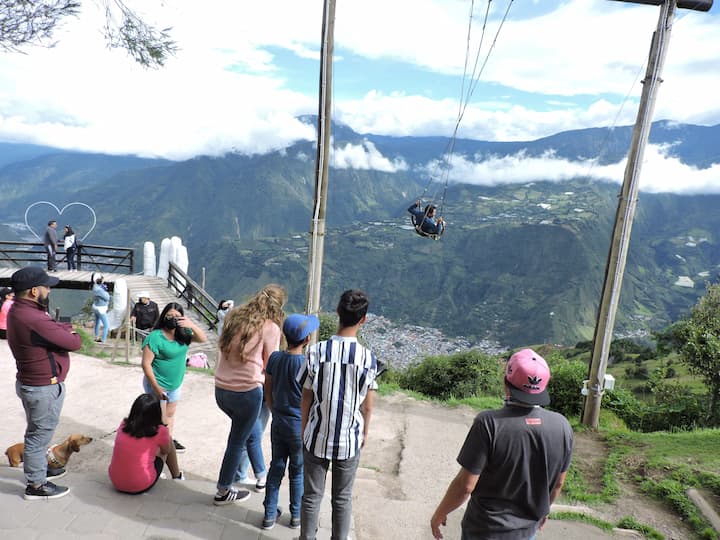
(179, 448)
(269, 523)
(231, 496)
(47, 491)
(260, 482)
(55, 472)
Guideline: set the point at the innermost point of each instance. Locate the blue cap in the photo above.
(297, 327)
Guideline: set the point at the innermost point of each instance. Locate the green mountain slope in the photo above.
(519, 264)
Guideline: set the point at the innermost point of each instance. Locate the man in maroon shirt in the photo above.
(40, 346)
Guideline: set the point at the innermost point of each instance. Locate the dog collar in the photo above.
(52, 459)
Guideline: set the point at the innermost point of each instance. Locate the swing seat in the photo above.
(420, 232)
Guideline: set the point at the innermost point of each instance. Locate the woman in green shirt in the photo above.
(164, 356)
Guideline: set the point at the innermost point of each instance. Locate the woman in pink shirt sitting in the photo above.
(7, 297)
(142, 446)
(250, 334)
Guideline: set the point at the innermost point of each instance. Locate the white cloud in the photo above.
(366, 157)
(226, 89)
(660, 172)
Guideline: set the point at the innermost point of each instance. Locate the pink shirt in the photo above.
(231, 373)
(132, 467)
(7, 304)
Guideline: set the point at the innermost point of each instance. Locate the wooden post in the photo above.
(627, 203)
(317, 225)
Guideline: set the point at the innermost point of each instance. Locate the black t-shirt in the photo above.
(519, 453)
(145, 315)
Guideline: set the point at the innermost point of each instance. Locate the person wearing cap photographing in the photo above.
(41, 349)
(513, 462)
(283, 395)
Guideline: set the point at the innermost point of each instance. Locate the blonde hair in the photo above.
(244, 322)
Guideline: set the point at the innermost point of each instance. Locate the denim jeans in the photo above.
(286, 444)
(343, 477)
(466, 536)
(70, 255)
(254, 455)
(51, 263)
(42, 405)
(243, 409)
(101, 318)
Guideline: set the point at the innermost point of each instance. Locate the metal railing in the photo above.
(195, 296)
(89, 256)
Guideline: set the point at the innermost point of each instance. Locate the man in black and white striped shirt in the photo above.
(338, 381)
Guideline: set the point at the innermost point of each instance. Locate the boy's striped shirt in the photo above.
(340, 372)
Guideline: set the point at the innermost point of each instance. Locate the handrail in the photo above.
(89, 256)
(196, 297)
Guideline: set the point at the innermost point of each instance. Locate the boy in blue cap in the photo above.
(283, 395)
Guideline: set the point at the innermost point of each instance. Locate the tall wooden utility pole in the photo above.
(627, 203)
(317, 226)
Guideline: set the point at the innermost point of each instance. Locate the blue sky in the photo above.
(245, 71)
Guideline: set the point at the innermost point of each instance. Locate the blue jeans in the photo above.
(343, 478)
(101, 318)
(255, 456)
(285, 444)
(70, 255)
(466, 536)
(243, 409)
(42, 405)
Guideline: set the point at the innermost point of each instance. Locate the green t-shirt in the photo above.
(169, 362)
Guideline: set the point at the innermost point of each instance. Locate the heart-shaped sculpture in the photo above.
(60, 212)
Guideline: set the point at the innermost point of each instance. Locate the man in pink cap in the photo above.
(513, 462)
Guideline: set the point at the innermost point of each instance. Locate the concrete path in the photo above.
(406, 465)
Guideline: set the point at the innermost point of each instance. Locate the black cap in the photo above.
(31, 276)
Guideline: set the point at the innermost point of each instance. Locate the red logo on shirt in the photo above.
(533, 421)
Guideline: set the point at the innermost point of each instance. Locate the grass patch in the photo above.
(89, 347)
(624, 523)
(582, 518)
(645, 530)
(665, 465)
(480, 403)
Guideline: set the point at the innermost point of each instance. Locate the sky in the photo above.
(245, 72)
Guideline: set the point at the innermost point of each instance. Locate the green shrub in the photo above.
(328, 326)
(565, 384)
(461, 375)
(672, 406)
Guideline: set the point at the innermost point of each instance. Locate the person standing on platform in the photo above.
(513, 462)
(338, 381)
(70, 248)
(7, 297)
(50, 243)
(41, 349)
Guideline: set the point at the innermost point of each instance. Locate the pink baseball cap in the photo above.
(527, 375)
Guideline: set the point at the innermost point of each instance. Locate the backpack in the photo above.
(197, 360)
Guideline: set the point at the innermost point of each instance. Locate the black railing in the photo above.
(195, 296)
(89, 256)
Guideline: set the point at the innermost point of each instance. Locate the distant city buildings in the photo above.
(403, 345)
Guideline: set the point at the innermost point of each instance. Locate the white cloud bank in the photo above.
(365, 157)
(227, 89)
(660, 173)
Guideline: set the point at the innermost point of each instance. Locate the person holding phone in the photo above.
(164, 352)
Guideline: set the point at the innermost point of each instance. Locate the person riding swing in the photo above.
(425, 222)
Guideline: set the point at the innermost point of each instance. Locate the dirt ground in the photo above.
(406, 465)
(406, 435)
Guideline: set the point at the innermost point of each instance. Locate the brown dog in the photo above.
(57, 455)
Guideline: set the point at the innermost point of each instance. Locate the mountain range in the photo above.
(519, 264)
